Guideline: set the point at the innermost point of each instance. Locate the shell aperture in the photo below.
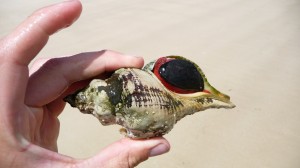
(178, 75)
(140, 100)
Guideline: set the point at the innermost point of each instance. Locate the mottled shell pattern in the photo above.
(149, 102)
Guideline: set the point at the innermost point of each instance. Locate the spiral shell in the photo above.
(139, 101)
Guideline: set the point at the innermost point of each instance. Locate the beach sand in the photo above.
(248, 49)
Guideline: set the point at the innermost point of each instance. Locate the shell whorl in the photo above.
(141, 91)
(146, 108)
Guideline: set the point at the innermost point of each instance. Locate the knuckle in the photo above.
(52, 63)
(133, 157)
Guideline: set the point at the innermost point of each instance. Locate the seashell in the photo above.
(148, 102)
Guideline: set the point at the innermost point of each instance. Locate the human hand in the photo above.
(31, 100)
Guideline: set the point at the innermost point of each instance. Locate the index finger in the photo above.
(24, 43)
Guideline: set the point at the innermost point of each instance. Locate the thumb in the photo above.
(127, 153)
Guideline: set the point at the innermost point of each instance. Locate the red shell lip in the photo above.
(172, 88)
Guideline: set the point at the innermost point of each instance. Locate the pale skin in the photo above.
(29, 126)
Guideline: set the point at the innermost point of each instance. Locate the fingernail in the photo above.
(159, 149)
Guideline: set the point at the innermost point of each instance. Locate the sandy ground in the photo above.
(248, 49)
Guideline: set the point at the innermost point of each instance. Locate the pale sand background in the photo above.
(249, 49)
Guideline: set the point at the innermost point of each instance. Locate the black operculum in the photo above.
(182, 74)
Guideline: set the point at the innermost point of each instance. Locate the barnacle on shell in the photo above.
(148, 102)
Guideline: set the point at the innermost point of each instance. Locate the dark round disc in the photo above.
(182, 74)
